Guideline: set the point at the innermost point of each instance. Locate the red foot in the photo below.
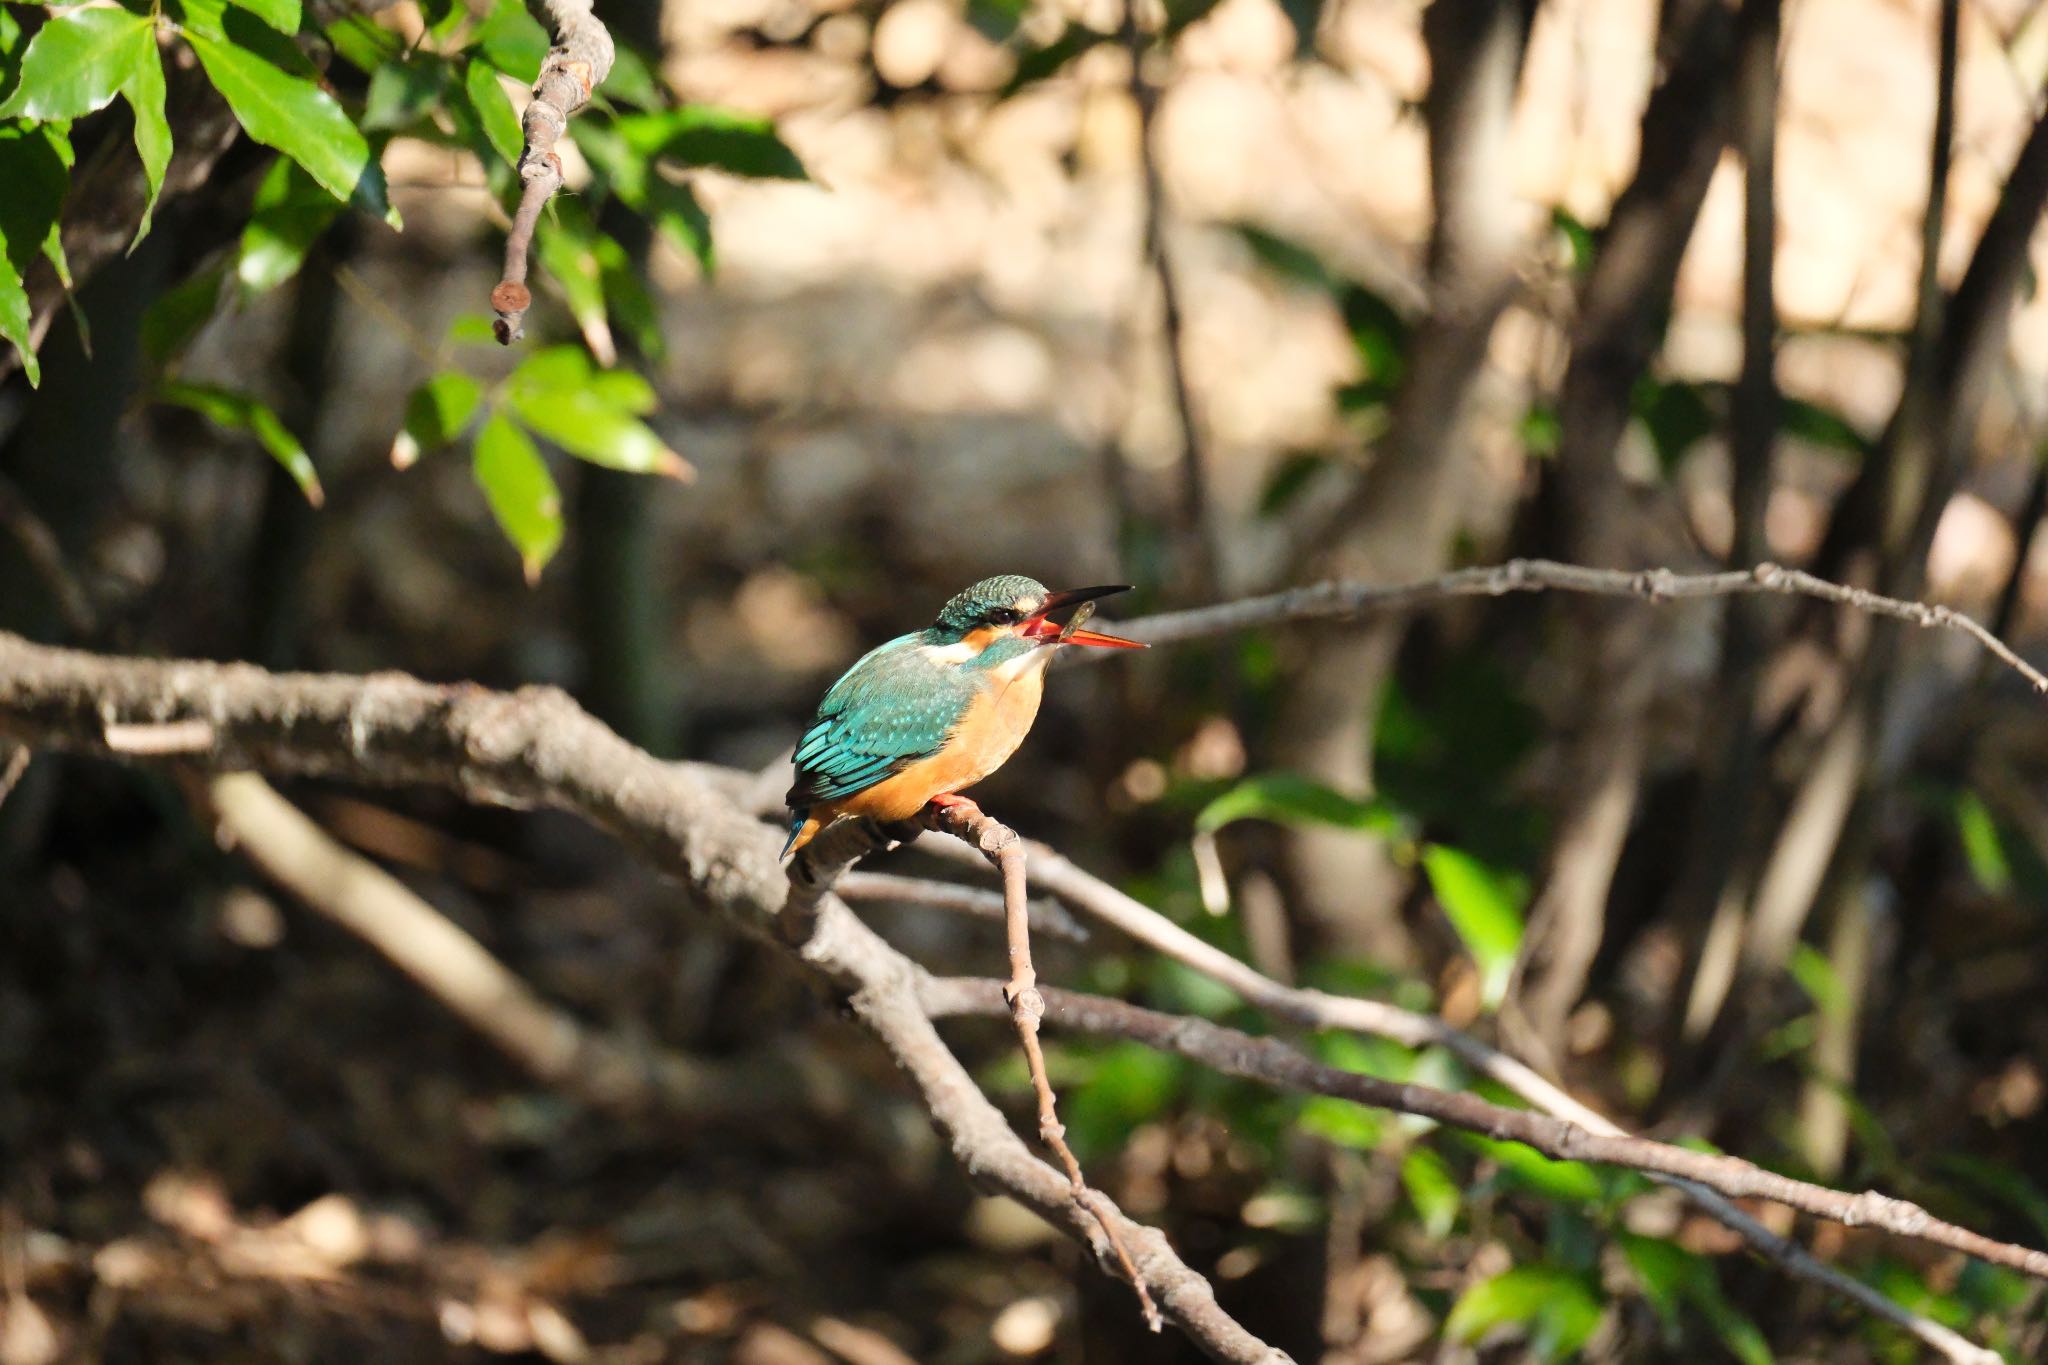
(956, 800)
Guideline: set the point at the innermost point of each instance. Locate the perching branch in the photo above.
(1323, 601)
(575, 66)
(535, 747)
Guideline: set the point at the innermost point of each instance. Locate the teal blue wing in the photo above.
(891, 709)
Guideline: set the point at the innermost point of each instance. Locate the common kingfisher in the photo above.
(937, 710)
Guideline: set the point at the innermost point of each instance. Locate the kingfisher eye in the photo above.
(1005, 616)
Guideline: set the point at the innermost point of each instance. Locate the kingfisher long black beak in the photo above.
(1039, 628)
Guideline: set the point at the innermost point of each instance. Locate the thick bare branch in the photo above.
(536, 747)
(575, 66)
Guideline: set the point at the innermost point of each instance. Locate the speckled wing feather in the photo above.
(892, 708)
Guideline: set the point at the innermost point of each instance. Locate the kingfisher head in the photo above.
(1013, 607)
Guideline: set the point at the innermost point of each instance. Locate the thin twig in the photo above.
(1275, 1063)
(1047, 917)
(1322, 601)
(576, 65)
(45, 557)
(1197, 536)
(999, 844)
(1092, 896)
(14, 760)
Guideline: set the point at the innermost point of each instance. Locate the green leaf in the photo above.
(283, 15)
(1127, 1084)
(435, 414)
(521, 492)
(78, 62)
(1676, 415)
(234, 411)
(12, 42)
(1433, 1190)
(1047, 61)
(1484, 906)
(289, 214)
(1817, 977)
(170, 323)
(494, 111)
(145, 95)
(1578, 239)
(293, 115)
(513, 41)
(15, 322)
(1674, 1279)
(567, 250)
(1817, 425)
(700, 135)
(1342, 1122)
(1570, 1183)
(1291, 799)
(403, 94)
(624, 390)
(35, 168)
(1181, 14)
(632, 82)
(583, 420)
(1556, 1309)
(639, 183)
(364, 43)
(675, 210)
(1978, 830)
(1290, 479)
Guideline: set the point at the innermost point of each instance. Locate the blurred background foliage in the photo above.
(887, 295)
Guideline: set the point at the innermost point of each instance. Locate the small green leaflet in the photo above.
(1557, 1309)
(1485, 907)
(513, 41)
(1291, 799)
(282, 15)
(521, 492)
(145, 95)
(234, 411)
(554, 395)
(436, 414)
(699, 135)
(35, 167)
(493, 110)
(170, 323)
(288, 112)
(79, 62)
(289, 214)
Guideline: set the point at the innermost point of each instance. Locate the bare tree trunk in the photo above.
(1621, 316)
(1399, 523)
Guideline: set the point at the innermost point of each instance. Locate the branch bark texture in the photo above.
(575, 66)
